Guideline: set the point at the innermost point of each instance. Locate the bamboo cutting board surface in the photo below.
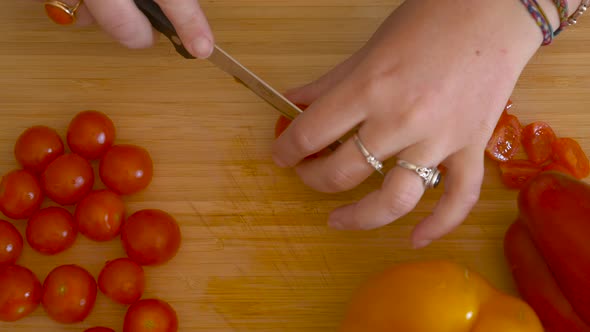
(256, 252)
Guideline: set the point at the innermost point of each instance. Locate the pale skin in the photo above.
(428, 87)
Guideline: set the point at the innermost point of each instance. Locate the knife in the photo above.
(221, 59)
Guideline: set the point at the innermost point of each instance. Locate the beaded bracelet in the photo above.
(583, 7)
(563, 15)
(539, 16)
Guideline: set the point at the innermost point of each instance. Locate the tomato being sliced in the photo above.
(122, 280)
(505, 141)
(68, 179)
(90, 134)
(537, 138)
(99, 329)
(515, 173)
(51, 230)
(126, 169)
(151, 237)
(20, 194)
(100, 214)
(36, 147)
(69, 294)
(568, 153)
(150, 315)
(11, 243)
(20, 292)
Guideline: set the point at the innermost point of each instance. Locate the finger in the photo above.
(399, 194)
(191, 25)
(123, 21)
(462, 189)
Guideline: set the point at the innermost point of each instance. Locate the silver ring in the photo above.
(430, 176)
(371, 160)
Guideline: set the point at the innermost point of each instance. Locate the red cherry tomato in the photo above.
(69, 294)
(537, 138)
(150, 315)
(11, 243)
(99, 329)
(20, 292)
(90, 134)
(505, 141)
(151, 237)
(553, 166)
(516, 173)
(67, 179)
(122, 280)
(36, 147)
(568, 153)
(20, 194)
(51, 230)
(126, 169)
(100, 214)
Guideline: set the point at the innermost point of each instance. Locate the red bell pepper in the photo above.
(548, 250)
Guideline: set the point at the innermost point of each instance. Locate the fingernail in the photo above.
(202, 47)
(421, 243)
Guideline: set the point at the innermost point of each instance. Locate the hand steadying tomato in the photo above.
(36, 147)
(515, 173)
(20, 194)
(69, 294)
(90, 134)
(122, 280)
(126, 169)
(151, 237)
(67, 179)
(150, 315)
(99, 329)
(11, 243)
(568, 153)
(505, 140)
(20, 292)
(537, 138)
(51, 230)
(100, 214)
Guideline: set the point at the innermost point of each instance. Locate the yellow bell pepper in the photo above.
(435, 296)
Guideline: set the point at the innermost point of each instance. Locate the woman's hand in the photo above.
(124, 22)
(428, 88)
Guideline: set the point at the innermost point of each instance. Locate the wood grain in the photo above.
(256, 252)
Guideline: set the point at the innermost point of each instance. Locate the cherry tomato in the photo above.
(122, 280)
(69, 294)
(151, 237)
(150, 315)
(11, 243)
(36, 147)
(67, 179)
(505, 140)
(99, 329)
(100, 214)
(126, 169)
(20, 194)
(20, 292)
(568, 153)
(537, 138)
(558, 168)
(51, 230)
(90, 134)
(515, 173)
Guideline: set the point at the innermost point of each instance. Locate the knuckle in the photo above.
(401, 203)
(301, 141)
(339, 180)
(130, 34)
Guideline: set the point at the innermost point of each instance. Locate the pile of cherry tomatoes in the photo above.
(67, 179)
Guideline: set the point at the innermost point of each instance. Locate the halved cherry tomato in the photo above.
(151, 237)
(20, 194)
(126, 169)
(69, 294)
(51, 230)
(537, 138)
(553, 166)
(90, 134)
(568, 153)
(100, 215)
(505, 141)
(67, 179)
(99, 329)
(122, 280)
(36, 147)
(20, 292)
(515, 173)
(150, 315)
(11, 243)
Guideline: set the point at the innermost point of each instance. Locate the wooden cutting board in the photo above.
(256, 252)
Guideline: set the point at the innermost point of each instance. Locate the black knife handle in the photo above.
(161, 23)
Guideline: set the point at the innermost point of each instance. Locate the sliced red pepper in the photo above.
(505, 141)
(568, 153)
(516, 173)
(537, 138)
